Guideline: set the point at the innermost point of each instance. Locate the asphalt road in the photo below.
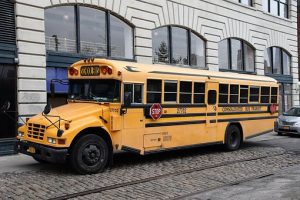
(211, 171)
(282, 185)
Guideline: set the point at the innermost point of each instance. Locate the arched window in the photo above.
(237, 55)
(175, 45)
(85, 30)
(277, 61)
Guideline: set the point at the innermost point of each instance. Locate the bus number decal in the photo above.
(181, 110)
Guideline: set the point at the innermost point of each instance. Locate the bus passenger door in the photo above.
(133, 117)
(211, 110)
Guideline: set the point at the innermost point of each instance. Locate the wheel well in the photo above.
(97, 131)
(237, 124)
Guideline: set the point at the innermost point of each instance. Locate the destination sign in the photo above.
(90, 71)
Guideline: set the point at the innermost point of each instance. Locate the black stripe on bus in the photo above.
(208, 114)
(199, 75)
(243, 105)
(193, 105)
(241, 113)
(168, 106)
(246, 119)
(175, 123)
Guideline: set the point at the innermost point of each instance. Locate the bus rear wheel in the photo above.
(89, 154)
(233, 138)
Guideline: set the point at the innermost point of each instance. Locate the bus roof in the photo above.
(157, 70)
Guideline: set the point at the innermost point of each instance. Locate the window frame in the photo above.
(189, 49)
(164, 91)
(186, 93)
(198, 93)
(229, 55)
(107, 13)
(271, 57)
(259, 90)
(155, 92)
(279, 3)
(133, 91)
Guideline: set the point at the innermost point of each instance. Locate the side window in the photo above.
(136, 91)
(223, 96)
(185, 92)
(254, 94)
(244, 92)
(234, 93)
(274, 94)
(212, 97)
(170, 91)
(265, 95)
(154, 91)
(199, 92)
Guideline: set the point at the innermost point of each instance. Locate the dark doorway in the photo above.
(8, 86)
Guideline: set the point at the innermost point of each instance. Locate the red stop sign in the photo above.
(156, 111)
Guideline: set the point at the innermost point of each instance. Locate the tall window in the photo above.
(236, 55)
(175, 45)
(277, 61)
(276, 7)
(85, 30)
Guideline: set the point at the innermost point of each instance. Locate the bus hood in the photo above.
(71, 112)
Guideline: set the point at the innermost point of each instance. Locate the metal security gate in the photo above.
(8, 119)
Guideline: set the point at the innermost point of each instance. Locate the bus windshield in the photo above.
(95, 90)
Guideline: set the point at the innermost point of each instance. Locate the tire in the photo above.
(279, 133)
(40, 160)
(89, 154)
(233, 138)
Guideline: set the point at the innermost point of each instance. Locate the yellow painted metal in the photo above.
(181, 125)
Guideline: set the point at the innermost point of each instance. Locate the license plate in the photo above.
(31, 150)
(286, 127)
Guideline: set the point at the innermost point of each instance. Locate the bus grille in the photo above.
(36, 131)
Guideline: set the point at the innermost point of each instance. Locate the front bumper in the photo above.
(42, 152)
(286, 129)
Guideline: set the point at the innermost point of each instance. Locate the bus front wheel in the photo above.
(233, 138)
(89, 154)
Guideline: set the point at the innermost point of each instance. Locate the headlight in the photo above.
(52, 140)
(20, 134)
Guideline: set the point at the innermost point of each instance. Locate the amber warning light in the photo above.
(73, 71)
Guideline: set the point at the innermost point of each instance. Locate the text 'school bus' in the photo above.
(115, 105)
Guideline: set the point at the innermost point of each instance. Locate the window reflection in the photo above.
(180, 46)
(197, 51)
(60, 36)
(160, 46)
(92, 31)
(121, 38)
(223, 54)
(276, 7)
(277, 61)
(61, 26)
(236, 54)
(187, 47)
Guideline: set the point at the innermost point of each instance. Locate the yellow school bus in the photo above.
(146, 108)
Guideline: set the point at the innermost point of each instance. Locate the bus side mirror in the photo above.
(52, 89)
(47, 109)
(127, 99)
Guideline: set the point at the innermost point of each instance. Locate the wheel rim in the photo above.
(234, 139)
(91, 155)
